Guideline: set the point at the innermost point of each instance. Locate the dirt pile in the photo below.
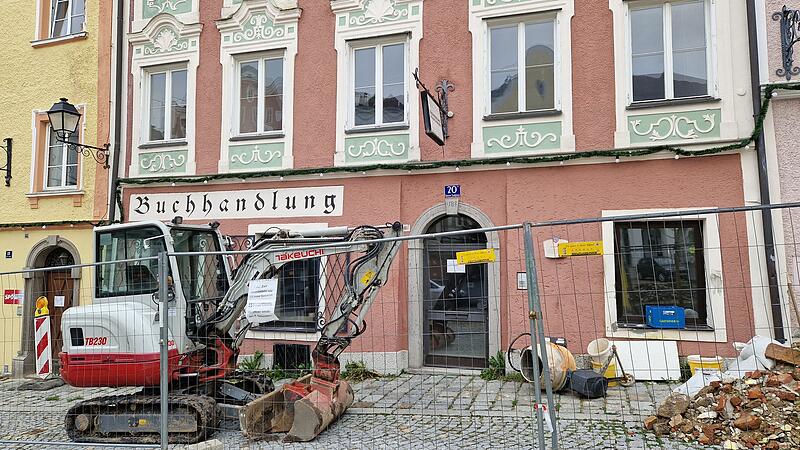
(760, 411)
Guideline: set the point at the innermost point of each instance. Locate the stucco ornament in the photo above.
(379, 11)
(285, 4)
(672, 126)
(162, 162)
(166, 41)
(377, 146)
(522, 138)
(164, 5)
(261, 27)
(263, 157)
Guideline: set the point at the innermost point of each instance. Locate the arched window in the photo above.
(59, 257)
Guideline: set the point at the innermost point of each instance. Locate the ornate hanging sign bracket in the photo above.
(7, 168)
(790, 34)
(435, 124)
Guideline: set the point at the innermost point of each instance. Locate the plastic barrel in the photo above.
(560, 361)
(704, 363)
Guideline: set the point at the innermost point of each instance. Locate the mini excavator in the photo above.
(115, 341)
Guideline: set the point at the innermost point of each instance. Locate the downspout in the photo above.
(763, 179)
(118, 101)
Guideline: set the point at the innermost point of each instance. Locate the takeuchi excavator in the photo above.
(115, 341)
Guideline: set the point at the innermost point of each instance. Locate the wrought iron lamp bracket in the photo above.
(100, 154)
(790, 35)
(7, 168)
(443, 89)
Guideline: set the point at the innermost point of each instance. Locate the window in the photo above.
(131, 277)
(203, 277)
(62, 163)
(379, 84)
(522, 66)
(260, 95)
(298, 296)
(66, 17)
(166, 105)
(669, 51)
(660, 264)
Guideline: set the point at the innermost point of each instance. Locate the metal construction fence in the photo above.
(563, 334)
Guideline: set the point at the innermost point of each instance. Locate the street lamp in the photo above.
(64, 118)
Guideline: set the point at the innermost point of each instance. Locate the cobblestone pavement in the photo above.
(409, 411)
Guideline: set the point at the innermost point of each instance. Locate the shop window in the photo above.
(522, 62)
(378, 72)
(260, 95)
(299, 296)
(669, 50)
(660, 264)
(166, 104)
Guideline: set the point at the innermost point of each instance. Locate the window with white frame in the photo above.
(260, 94)
(522, 64)
(669, 50)
(62, 163)
(660, 264)
(378, 81)
(299, 295)
(165, 104)
(66, 17)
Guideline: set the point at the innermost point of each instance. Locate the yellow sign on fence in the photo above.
(580, 248)
(476, 256)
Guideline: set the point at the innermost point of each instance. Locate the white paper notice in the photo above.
(261, 298)
(58, 301)
(454, 267)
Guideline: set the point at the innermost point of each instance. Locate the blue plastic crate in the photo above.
(665, 316)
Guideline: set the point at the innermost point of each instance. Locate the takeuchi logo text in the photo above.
(291, 202)
(299, 254)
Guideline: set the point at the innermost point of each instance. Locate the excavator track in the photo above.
(135, 419)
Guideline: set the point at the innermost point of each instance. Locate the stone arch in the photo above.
(415, 279)
(24, 362)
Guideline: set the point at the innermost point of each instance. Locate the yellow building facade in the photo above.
(50, 49)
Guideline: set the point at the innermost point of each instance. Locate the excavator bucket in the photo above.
(303, 409)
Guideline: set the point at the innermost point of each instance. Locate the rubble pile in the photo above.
(760, 411)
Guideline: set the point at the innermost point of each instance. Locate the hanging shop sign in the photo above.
(476, 256)
(244, 204)
(580, 248)
(432, 118)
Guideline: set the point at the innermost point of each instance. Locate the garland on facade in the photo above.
(768, 91)
(55, 223)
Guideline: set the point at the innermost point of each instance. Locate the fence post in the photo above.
(163, 313)
(538, 342)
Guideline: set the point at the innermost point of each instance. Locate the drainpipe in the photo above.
(763, 180)
(119, 78)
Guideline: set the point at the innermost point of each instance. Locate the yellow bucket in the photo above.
(704, 363)
(611, 370)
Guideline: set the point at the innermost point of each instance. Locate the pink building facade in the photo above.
(239, 111)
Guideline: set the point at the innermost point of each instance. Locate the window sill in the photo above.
(378, 129)
(637, 326)
(274, 335)
(55, 193)
(150, 145)
(257, 137)
(58, 40)
(672, 102)
(522, 115)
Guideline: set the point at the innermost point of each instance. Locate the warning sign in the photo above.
(12, 297)
(476, 256)
(580, 248)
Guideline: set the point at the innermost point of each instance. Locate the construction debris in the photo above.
(783, 354)
(760, 412)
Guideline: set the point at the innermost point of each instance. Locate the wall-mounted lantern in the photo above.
(64, 119)
(790, 34)
(7, 168)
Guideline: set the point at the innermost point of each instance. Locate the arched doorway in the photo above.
(61, 286)
(455, 297)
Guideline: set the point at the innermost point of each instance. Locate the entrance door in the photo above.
(58, 284)
(455, 299)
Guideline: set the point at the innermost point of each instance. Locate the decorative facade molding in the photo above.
(393, 147)
(145, 11)
(359, 13)
(674, 126)
(165, 34)
(163, 162)
(256, 156)
(512, 139)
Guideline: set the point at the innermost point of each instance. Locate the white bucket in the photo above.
(599, 349)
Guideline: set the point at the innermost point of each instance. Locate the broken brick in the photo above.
(747, 422)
